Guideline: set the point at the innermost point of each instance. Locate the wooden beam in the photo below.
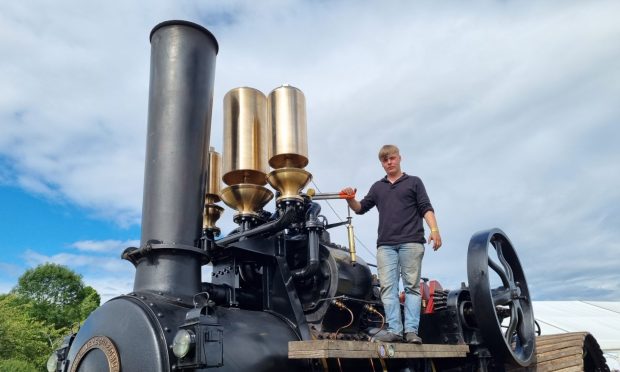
(366, 349)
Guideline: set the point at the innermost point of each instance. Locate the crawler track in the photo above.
(567, 352)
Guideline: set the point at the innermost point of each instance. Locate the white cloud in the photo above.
(111, 286)
(114, 246)
(8, 272)
(6, 287)
(82, 262)
(10, 269)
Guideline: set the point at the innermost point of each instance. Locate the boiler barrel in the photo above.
(137, 332)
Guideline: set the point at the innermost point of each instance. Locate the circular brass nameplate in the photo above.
(104, 344)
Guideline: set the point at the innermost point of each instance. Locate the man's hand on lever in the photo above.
(349, 193)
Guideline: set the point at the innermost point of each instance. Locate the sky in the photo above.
(507, 110)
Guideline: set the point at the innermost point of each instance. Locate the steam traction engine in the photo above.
(283, 296)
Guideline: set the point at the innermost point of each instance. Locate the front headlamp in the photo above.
(182, 343)
(52, 362)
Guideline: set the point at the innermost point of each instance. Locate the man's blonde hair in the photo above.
(388, 150)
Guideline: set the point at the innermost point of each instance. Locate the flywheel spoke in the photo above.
(502, 259)
(502, 274)
(522, 331)
(512, 326)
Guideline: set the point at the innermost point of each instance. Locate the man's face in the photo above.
(391, 164)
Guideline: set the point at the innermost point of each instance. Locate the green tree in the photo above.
(24, 340)
(90, 302)
(47, 301)
(57, 295)
(16, 365)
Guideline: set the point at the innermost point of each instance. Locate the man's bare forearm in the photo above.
(431, 221)
(354, 205)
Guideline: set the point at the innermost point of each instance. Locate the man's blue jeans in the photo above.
(406, 260)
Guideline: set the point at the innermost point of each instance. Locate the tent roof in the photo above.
(601, 319)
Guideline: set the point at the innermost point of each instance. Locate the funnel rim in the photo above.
(189, 24)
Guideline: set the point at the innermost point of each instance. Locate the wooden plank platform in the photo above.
(565, 352)
(367, 349)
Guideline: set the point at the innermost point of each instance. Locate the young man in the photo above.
(402, 203)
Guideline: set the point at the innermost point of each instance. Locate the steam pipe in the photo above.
(179, 122)
(273, 226)
(313, 225)
(222, 294)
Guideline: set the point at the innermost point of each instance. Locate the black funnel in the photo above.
(179, 124)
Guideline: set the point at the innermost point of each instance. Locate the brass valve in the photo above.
(339, 304)
(371, 309)
(351, 235)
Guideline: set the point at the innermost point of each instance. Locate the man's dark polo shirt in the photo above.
(401, 207)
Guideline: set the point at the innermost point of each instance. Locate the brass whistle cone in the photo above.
(289, 182)
(211, 214)
(246, 199)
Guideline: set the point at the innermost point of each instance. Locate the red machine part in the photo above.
(427, 291)
(430, 305)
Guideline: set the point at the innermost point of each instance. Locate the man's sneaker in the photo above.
(412, 338)
(385, 336)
